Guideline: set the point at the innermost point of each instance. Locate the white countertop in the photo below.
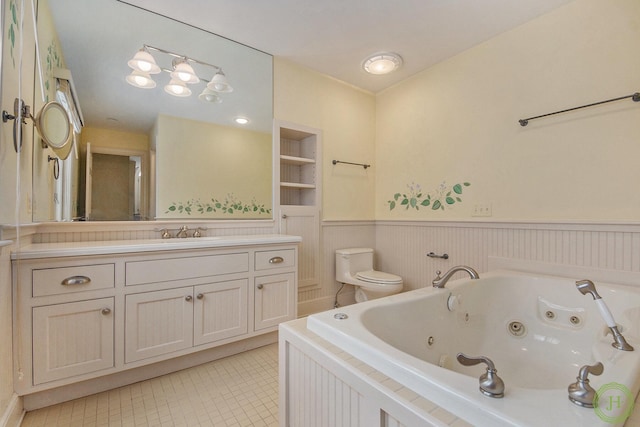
(50, 250)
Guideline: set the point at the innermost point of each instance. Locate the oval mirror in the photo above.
(54, 127)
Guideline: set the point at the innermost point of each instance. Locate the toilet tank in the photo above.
(353, 260)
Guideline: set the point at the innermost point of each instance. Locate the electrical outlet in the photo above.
(481, 209)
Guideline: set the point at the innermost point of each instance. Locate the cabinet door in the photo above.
(72, 339)
(304, 221)
(220, 311)
(274, 300)
(158, 323)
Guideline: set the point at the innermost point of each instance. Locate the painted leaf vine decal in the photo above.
(229, 205)
(437, 199)
(13, 28)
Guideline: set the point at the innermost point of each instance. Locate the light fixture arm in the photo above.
(182, 57)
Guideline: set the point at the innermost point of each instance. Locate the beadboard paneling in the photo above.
(402, 246)
(321, 398)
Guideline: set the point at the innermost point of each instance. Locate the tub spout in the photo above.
(439, 282)
(588, 287)
(580, 392)
(490, 383)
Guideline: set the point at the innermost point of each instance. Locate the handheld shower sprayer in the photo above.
(587, 287)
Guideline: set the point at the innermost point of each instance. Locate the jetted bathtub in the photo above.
(538, 330)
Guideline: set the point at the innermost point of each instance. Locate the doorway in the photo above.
(116, 185)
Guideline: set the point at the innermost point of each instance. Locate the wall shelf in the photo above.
(298, 167)
(297, 185)
(293, 160)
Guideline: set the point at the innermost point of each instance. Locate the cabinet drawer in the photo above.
(163, 270)
(283, 258)
(64, 280)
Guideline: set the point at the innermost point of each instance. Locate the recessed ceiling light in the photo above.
(382, 63)
(241, 120)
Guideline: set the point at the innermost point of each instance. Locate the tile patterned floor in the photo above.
(237, 391)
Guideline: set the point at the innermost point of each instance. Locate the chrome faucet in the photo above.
(439, 282)
(580, 392)
(490, 383)
(182, 232)
(587, 287)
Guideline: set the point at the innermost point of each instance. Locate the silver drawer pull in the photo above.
(76, 280)
(106, 311)
(276, 260)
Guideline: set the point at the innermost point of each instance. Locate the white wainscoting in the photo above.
(401, 247)
(60, 232)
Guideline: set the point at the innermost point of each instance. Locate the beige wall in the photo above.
(458, 121)
(111, 138)
(200, 161)
(346, 116)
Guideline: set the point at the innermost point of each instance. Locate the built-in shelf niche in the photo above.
(298, 172)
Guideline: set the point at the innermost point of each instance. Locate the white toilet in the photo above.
(354, 266)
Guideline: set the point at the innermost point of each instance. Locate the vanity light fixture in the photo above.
(141, 79)
(177, 88)
(209, 96)
(382, 63)
(143, 61)
(219, 83)
(181, 73)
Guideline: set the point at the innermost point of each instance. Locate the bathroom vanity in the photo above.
(90, 309)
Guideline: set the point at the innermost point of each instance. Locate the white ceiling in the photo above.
(335, 36)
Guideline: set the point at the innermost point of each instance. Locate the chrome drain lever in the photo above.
(490, 383)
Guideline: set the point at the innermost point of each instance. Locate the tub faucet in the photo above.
(490, 383)
(182, 232)
(587, 287)
(439, 282)
(580, 392)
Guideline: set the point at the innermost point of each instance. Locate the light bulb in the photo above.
(184, 72)
(141, 80)
(177, 88)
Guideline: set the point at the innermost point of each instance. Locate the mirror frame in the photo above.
(43, 130)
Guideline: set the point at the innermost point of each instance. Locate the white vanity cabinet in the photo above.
(95, 310)
(162, 322)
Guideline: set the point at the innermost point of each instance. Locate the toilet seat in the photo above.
(378, 277)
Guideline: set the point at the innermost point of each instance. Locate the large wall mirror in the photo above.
(174, 156)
